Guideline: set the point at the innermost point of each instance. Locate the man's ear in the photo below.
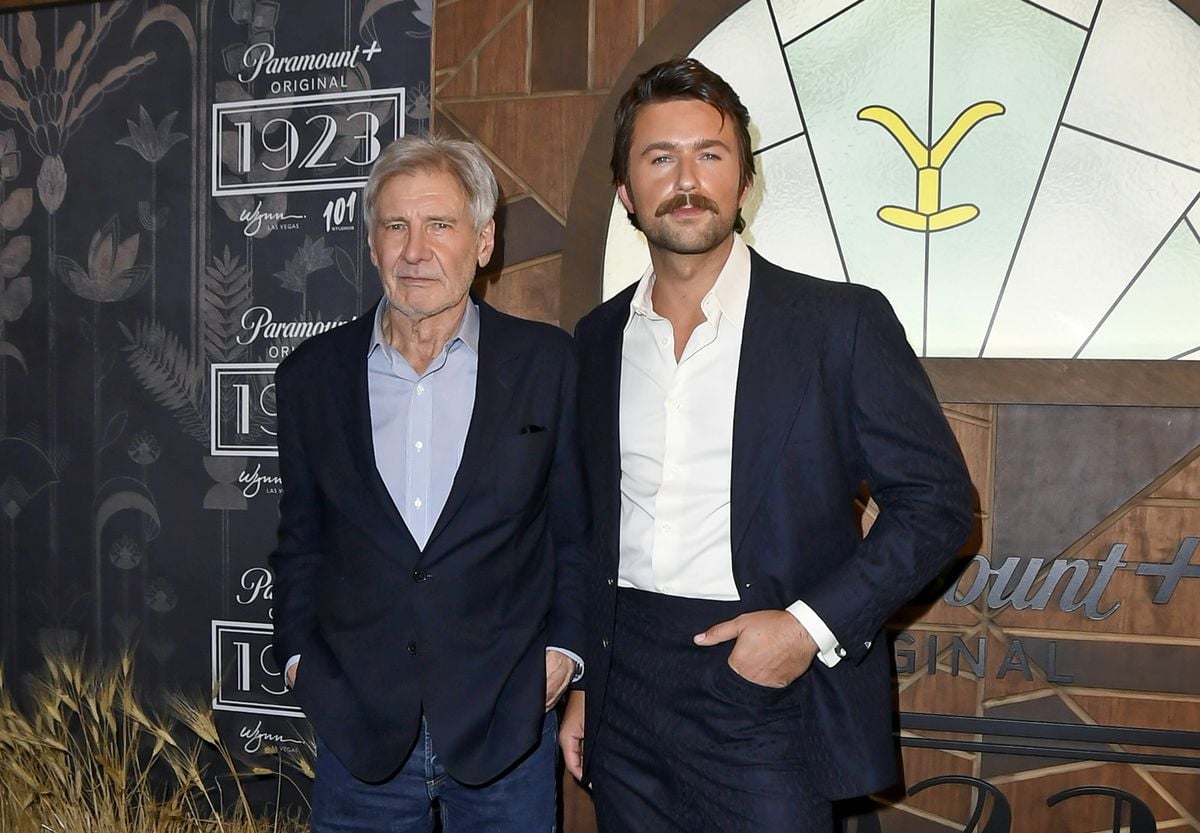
(371, 248)
(623, 196)
(487, 243)
(745, 192)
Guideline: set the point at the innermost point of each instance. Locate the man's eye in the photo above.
(660, 159)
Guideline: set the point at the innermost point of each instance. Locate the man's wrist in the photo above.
(829, 650)
(575, 659)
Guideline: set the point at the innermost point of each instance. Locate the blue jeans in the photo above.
(522, 800)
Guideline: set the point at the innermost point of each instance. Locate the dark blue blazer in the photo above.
(829, 396)
(457, 631)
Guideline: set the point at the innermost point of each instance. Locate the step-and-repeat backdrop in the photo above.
(180, 205)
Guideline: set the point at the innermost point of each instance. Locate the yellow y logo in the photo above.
(929, 216)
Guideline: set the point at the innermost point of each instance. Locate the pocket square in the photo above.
(532, 429)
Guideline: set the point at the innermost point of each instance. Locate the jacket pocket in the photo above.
(522, 463)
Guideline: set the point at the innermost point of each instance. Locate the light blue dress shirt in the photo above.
(419, 421)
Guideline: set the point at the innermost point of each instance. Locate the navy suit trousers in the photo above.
(685, 744)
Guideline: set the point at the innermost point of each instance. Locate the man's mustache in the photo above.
(684, 201)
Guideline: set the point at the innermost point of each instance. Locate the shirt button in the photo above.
(664, 341)
(412, 647)
(417, 503)
(420, 389)
(418, 445)
(419, 576)
(666, 527)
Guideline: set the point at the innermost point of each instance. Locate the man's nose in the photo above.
(416, 247)
(685, 177)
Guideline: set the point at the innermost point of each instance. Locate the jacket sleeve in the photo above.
(910, 460)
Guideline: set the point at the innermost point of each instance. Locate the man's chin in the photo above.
(690, 244)
(414, 310)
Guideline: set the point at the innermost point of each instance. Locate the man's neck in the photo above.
(682, 280)
(420, 340)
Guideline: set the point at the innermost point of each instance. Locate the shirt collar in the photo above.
(731, 290)
(468, 329)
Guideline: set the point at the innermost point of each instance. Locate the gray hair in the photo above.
(423, 154)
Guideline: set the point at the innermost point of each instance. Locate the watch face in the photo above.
(1019, 180)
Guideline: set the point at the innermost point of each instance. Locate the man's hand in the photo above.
(560, 668)
(570, 734)
(772, 648)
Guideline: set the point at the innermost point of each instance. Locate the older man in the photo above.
(429, 558)
(751, 404)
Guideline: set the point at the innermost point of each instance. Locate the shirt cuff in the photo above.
(575, 658)
(829, 650)
(291, 663)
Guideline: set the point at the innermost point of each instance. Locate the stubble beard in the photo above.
(687, 238)
(685, 241)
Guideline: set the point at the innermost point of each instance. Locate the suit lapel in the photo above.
(607, 398)
(494, 381)
(382, 517)
(781, 345)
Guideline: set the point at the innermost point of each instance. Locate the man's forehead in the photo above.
(681, 120)
(425, 186)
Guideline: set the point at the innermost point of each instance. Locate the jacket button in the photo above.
(412, 647)
(610, 582)
(604, 642)
(419, 576)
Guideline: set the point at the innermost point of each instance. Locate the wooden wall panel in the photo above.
(560, 45)
(532, 288)
(655, 11)
(461, 28)
(503, 62)
(564, 119)
(617, 31)
(457, 82)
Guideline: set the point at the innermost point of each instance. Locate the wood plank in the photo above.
(461, 28)
(504, 61)
(1066, 382)
(563, 122)
(656, 10)
(527, 292)
(560, 45)
(616, 40)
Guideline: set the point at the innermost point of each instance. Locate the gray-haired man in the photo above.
(429, 559)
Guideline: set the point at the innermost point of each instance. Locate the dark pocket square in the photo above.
(532, 429)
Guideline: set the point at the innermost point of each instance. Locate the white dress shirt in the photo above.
(676, 429)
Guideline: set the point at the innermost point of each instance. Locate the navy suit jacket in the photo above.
(829, 396)
(457, 631)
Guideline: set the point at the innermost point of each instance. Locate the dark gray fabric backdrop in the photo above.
(179, 204)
